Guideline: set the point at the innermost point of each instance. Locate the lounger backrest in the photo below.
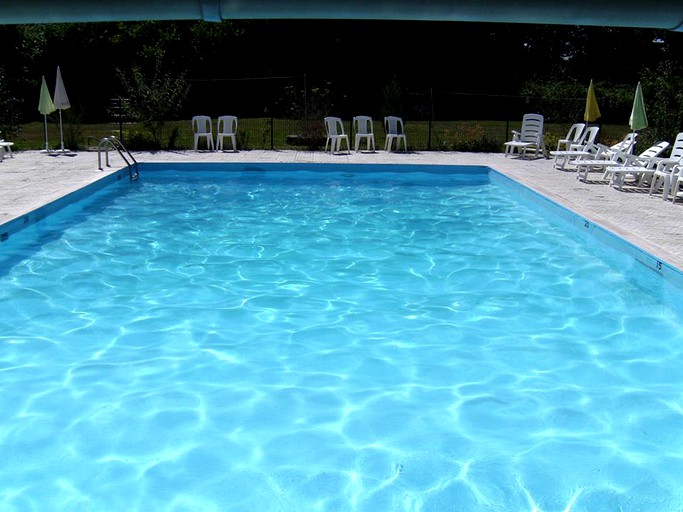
(590, 134)
(532, 128)
(677, 148)
(655, 150)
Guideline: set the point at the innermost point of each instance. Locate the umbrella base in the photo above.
(57, 152)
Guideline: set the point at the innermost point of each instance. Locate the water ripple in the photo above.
(334, 343)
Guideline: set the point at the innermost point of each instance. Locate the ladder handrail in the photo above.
(116, 143)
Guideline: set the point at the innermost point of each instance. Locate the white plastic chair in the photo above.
(335, 134)
(665, 173)
(636, 167)
(677, 185)
(577, 150)
(574, 136)
(364, 129)
(5, 148)
(393, 126)
(227, 127)
(529, 139)
(201, 126)
(588, 137)
(627, 145)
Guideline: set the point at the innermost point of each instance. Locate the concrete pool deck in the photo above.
(32, 179)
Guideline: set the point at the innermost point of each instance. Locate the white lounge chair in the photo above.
(6, 149)
(639, 168)
(227, 128)
(364, 129)
(563, 158)
(201, 127)
(393, 126)
(677, 185)
(529, 139)
(627, 144)
(605, 157)
(574, 136)
(666, 169)
(335, 135)
(598, 158)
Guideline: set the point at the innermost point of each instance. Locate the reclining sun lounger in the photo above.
(5, 148)
(566, 157)
(529, 139)
(639, 168)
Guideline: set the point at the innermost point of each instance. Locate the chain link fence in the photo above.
(287, 113)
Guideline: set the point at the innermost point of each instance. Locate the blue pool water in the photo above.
(332, 341)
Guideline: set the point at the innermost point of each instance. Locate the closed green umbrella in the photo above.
(638, 119)
(45, 107)
(592, 112)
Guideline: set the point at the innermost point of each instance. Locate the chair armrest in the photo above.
(650, 162)
(668, 165)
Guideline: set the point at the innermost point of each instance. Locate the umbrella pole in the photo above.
(47, 147)
(633, 143)
(61, 133)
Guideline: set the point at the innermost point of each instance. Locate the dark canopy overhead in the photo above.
(663, 14)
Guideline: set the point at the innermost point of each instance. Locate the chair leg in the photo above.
(668, 181)
(654, 185)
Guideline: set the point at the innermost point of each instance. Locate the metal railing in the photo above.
(115, 143)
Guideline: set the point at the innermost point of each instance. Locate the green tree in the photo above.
(10, 111)
(394, 100)
(154, 95)
(663, 86)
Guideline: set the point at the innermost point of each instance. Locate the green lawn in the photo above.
(255, 133)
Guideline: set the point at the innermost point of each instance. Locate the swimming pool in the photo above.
(322, 339)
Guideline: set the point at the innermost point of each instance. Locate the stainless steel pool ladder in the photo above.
(116, 143)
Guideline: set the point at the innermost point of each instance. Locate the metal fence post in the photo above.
(120, 119)
(431, 119)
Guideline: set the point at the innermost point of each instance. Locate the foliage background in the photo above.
(302, 69)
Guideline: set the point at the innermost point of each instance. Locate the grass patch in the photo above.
(256, 133)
